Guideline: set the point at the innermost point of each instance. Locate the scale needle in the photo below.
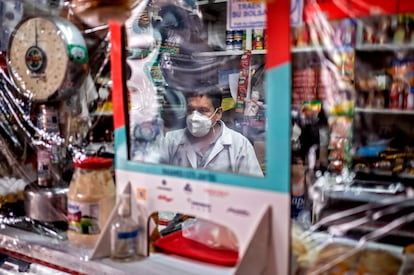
(36, 33)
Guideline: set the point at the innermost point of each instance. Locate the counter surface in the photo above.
(66, 256)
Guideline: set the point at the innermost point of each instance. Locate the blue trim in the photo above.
(277, 147)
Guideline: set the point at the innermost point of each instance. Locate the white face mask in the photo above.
(199, 125)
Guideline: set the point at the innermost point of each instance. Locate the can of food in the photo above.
(237, 44)
(229, 35)
(258, 39)
(229, 45)
(238, 40)
(229, 39)
(238, 35)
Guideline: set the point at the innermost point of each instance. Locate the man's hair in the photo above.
(214, 94)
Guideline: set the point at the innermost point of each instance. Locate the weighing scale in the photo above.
(47, 59)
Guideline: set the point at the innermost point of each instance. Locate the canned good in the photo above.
(229, 45)
(237, 44)
(238, 35)
(229, 35)
(258, 42)
(238, 40)
(229, 39)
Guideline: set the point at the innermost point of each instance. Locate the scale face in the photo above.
(42, 53)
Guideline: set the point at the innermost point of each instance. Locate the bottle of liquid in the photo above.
(91, 198)
(124, 232)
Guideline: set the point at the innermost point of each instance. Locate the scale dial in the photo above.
(41, 54)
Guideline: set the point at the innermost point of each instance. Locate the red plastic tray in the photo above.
(176, 244)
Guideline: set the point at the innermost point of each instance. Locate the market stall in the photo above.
(88, 95)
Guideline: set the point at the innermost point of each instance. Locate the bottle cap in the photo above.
(93, 163)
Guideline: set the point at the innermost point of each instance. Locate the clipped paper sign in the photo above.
(244, 14)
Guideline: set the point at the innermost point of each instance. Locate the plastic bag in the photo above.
(210, 234)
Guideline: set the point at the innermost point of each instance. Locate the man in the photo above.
(207, 143)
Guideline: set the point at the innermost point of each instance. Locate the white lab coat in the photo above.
(232, 153)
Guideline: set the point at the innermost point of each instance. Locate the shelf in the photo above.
(315, 49)
(207, 2)
(384, 111)
(226, 53)
(385, 47)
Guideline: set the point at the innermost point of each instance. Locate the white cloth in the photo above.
(232, 152)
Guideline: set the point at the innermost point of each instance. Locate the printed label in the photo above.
(83, 217)
(78, 53)
(128, 235)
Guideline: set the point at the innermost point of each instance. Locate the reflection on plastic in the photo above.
(210, 234)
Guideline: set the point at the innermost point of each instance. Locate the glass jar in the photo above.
(91, 199)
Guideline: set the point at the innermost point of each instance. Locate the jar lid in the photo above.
(93, 163)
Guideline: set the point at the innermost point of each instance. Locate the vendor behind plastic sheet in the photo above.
(206, 142)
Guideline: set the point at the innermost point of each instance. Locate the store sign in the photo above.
(243, 14)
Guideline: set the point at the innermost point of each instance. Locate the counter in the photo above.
(63, 256)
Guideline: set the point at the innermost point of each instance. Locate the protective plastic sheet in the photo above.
(56, 103)
(55, 107)
(352, 150)
(178, 50)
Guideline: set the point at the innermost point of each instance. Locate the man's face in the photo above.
(204, 106)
